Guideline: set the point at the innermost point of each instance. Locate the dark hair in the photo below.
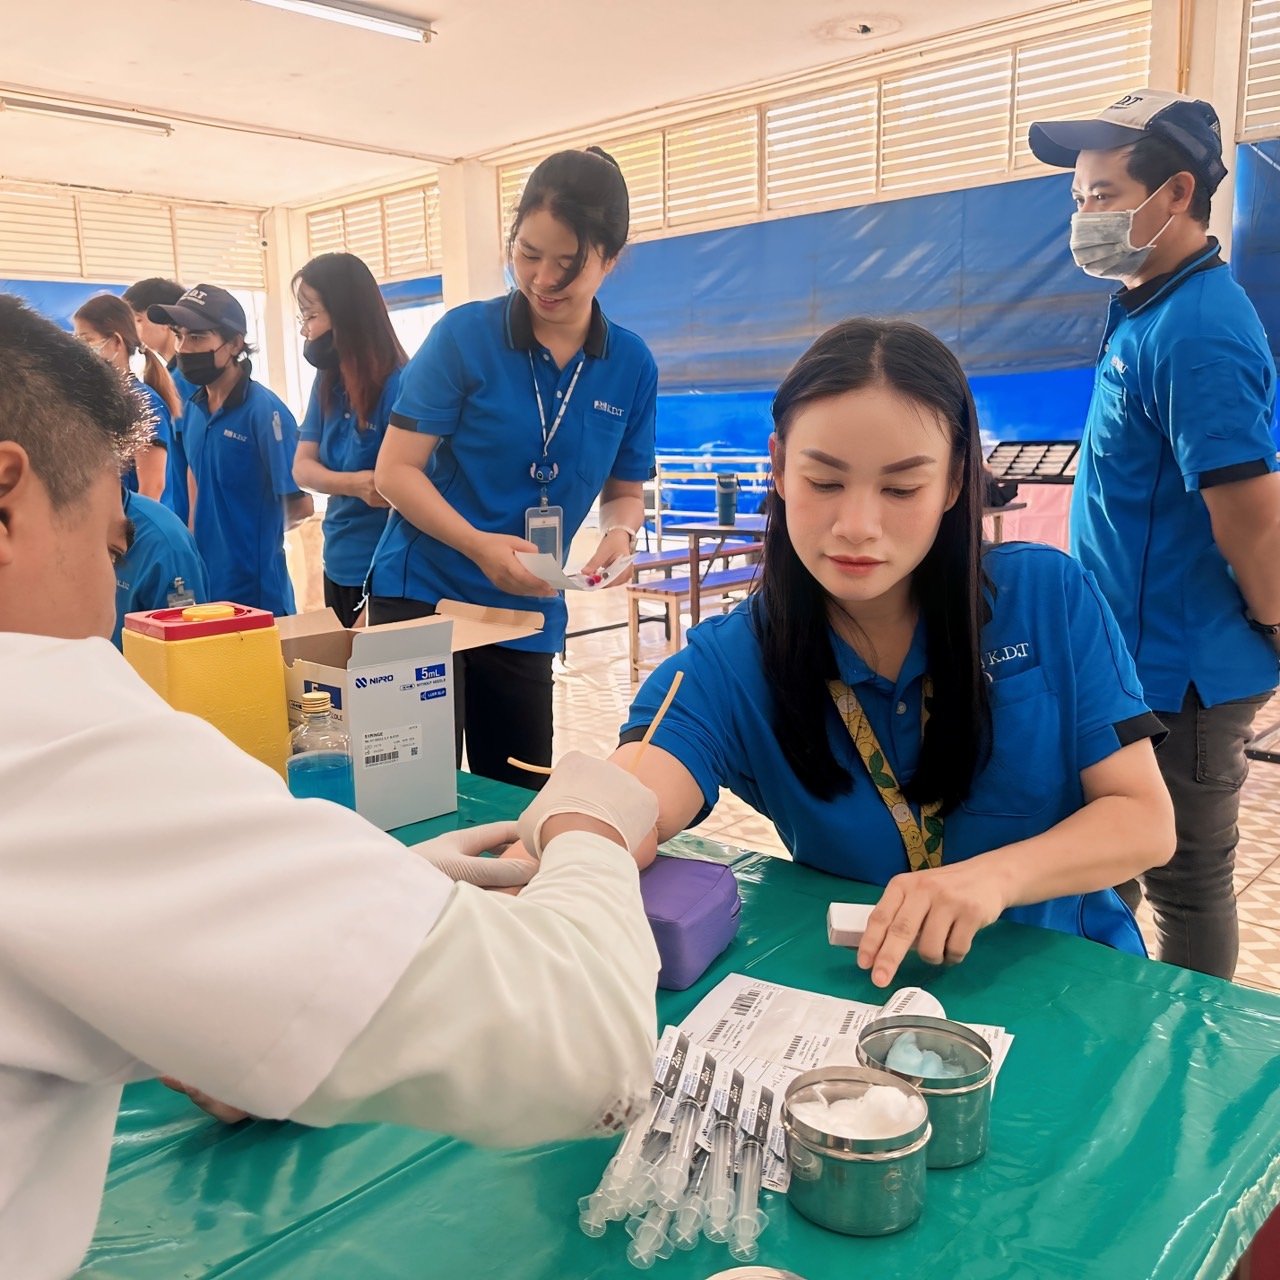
(1154, 159)
(587, 192)
(68, 409)
(368, 349)
(154, 291)
(109, 316)
(949, 585)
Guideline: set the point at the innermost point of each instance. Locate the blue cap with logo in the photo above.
(202, 308)
(1190, 123)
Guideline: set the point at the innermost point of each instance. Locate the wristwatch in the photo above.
(634, 534)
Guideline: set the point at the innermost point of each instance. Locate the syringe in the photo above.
(687, 1226)
(719, 1178)
(649, 1240)
(749, 1220)
(606, 1202)
(673, 1176)
(639, 1191)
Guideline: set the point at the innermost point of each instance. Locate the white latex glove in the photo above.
(457, 854)
(582, 784)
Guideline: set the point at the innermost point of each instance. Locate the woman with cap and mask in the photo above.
(350, 342)
(240, 439)
(1176, 508)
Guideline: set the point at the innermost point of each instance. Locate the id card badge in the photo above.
(544, 527)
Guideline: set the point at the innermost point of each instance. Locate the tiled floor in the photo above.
(593, 691)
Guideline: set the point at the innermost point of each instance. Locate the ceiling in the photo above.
(498, 72)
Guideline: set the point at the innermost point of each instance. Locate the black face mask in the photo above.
(199, 367)
(320, 352)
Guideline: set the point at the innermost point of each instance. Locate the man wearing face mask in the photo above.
(240, 440)
(1176, 507)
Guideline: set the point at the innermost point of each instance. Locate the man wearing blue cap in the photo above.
(1176, 508)
(240, 440)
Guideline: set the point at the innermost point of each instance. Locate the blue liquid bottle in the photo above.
(319, 766)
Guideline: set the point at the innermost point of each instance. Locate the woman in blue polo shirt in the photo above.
(349, 339)
(512, 418)
(960, 724)
(239, 438)
(162, 567)
(106, 324)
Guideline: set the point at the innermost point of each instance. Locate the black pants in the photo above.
(501, 701)
(344, 601)
(1192, 897)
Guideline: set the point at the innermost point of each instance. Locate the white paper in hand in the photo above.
(544, 566)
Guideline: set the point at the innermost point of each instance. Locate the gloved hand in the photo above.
(582, 784)
(456, 853)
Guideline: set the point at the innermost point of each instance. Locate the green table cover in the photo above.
(1135, 1133)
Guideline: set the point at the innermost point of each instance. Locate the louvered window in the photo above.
(1260, 102)
(396, 234)
(57, 235)
(931, 119)
(713, 168)
(822, 149)
(1076, 74)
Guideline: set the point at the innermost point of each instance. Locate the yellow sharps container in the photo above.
(221, 662)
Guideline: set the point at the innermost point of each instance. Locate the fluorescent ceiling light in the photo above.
(67, 111)
(358, 15)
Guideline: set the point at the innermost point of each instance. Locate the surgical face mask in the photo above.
(320, 352)
(200, 367)
(1102, 245)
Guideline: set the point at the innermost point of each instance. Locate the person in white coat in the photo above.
(283, 956)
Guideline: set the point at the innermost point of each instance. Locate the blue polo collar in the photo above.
(518, 326)
(1159, 287)
(237, 396)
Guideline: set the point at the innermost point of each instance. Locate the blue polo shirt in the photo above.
(471, 384)
(175, 484)
(1064, 695)
(162, 551)
(242, 460)
(1183, 399)
(161, 432)
(351, 527)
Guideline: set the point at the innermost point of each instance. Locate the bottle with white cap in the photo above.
(319, 765)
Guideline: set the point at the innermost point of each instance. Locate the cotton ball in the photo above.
(881, 1112)
(907, 1058)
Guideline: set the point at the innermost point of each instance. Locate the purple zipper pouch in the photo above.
(693, 909)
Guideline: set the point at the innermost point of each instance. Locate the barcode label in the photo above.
(792, 1049)
(717, 1031)
(383, 747)
(745, 1001)
(847, 1023)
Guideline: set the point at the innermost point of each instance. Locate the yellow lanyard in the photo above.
(922, 840)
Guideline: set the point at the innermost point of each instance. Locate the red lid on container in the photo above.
(192, 621)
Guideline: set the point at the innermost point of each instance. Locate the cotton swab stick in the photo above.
(528, 768)
(644, 742)
(656, 721)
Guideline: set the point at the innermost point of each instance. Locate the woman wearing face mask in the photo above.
(349, 339)
(106, 325)
(515, 415)
(957, 723)
(240, 440)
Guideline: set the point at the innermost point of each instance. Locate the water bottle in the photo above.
(319, 765)
(726, 497)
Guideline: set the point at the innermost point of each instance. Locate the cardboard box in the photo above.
(392, 690)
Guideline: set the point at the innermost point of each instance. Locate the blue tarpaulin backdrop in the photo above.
(727, 312)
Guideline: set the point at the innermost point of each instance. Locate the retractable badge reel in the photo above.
(544, 524)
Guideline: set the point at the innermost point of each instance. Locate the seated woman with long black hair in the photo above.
(961, 724)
